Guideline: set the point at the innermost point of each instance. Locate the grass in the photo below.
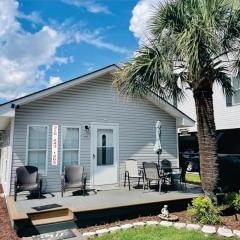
(156, 233)
(193, 178)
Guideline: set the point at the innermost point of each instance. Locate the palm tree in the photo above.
(194, 44)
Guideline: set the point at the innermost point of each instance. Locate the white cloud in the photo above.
(141, 15)
(25, 56)
(8, 11)
(91, 5)
(54, 80)
(33, 17)
(95, 39)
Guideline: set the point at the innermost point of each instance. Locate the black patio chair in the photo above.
(180, 175)
(151, 173)
(73, 178)
(166, 168)
(132, 172)
(27, 179)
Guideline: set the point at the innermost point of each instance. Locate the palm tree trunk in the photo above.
(206, 139)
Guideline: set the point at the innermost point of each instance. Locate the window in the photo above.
(70, 146)
(37, 143)
(105, 149)
(236, 87)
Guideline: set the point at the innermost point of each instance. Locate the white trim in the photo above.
(47, 146)
(10, 160)
(79, 144)
(103, 125)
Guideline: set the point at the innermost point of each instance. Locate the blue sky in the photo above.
(46, 42)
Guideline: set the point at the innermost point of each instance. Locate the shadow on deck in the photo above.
(77, 211)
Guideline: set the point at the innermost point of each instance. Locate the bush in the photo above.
(204, 211)
(233, 200)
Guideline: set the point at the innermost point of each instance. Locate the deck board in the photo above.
(102, 200)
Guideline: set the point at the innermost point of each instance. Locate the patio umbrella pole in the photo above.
(158, 147)
(158, 159)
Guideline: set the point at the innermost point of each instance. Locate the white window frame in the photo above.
(47, 146)
(238, 89)
(79, 144)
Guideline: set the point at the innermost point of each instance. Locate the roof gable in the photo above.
(182, 119)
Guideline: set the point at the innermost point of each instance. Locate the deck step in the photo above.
(51, 216)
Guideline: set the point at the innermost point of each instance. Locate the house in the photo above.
(227, 115)
(71, 123)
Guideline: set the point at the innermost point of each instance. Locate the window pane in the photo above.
(37, 132)
(105, 137)
(70, 138)
(105, 156)
(37, 143)
(37, 137)
(105, 150)
(37, 159)
(37, 140)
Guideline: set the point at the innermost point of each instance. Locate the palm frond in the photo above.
(193, 42)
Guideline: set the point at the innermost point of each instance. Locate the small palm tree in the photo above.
(194, 44)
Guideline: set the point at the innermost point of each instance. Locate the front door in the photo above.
(104, 154)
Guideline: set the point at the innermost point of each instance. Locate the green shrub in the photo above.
(204, 211)
(233, 200)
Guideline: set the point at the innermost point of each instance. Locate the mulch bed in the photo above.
(6, 230)
(228, 221)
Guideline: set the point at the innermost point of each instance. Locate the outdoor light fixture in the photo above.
(87, 128)
(13, 106)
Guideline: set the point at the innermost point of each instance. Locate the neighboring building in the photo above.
(227, 119)
(87, 115)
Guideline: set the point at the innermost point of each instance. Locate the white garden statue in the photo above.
(164, 211)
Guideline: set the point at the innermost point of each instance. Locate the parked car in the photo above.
(229, 172)
(193, 160)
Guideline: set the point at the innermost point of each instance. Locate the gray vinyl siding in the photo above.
(95, 101)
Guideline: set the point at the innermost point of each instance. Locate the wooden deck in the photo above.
(75, 211)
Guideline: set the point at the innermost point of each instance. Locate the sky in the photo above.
(46, 42)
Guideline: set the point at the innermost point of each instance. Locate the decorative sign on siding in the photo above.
(55, 145)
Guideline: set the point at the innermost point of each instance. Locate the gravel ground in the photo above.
(6, 230)
(228, 221)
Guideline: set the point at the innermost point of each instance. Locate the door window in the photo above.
(105, 149)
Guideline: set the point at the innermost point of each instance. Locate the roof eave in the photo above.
(182, 120)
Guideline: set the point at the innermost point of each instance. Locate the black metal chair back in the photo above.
(73, 173)
(26, 175)
(166, 166)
